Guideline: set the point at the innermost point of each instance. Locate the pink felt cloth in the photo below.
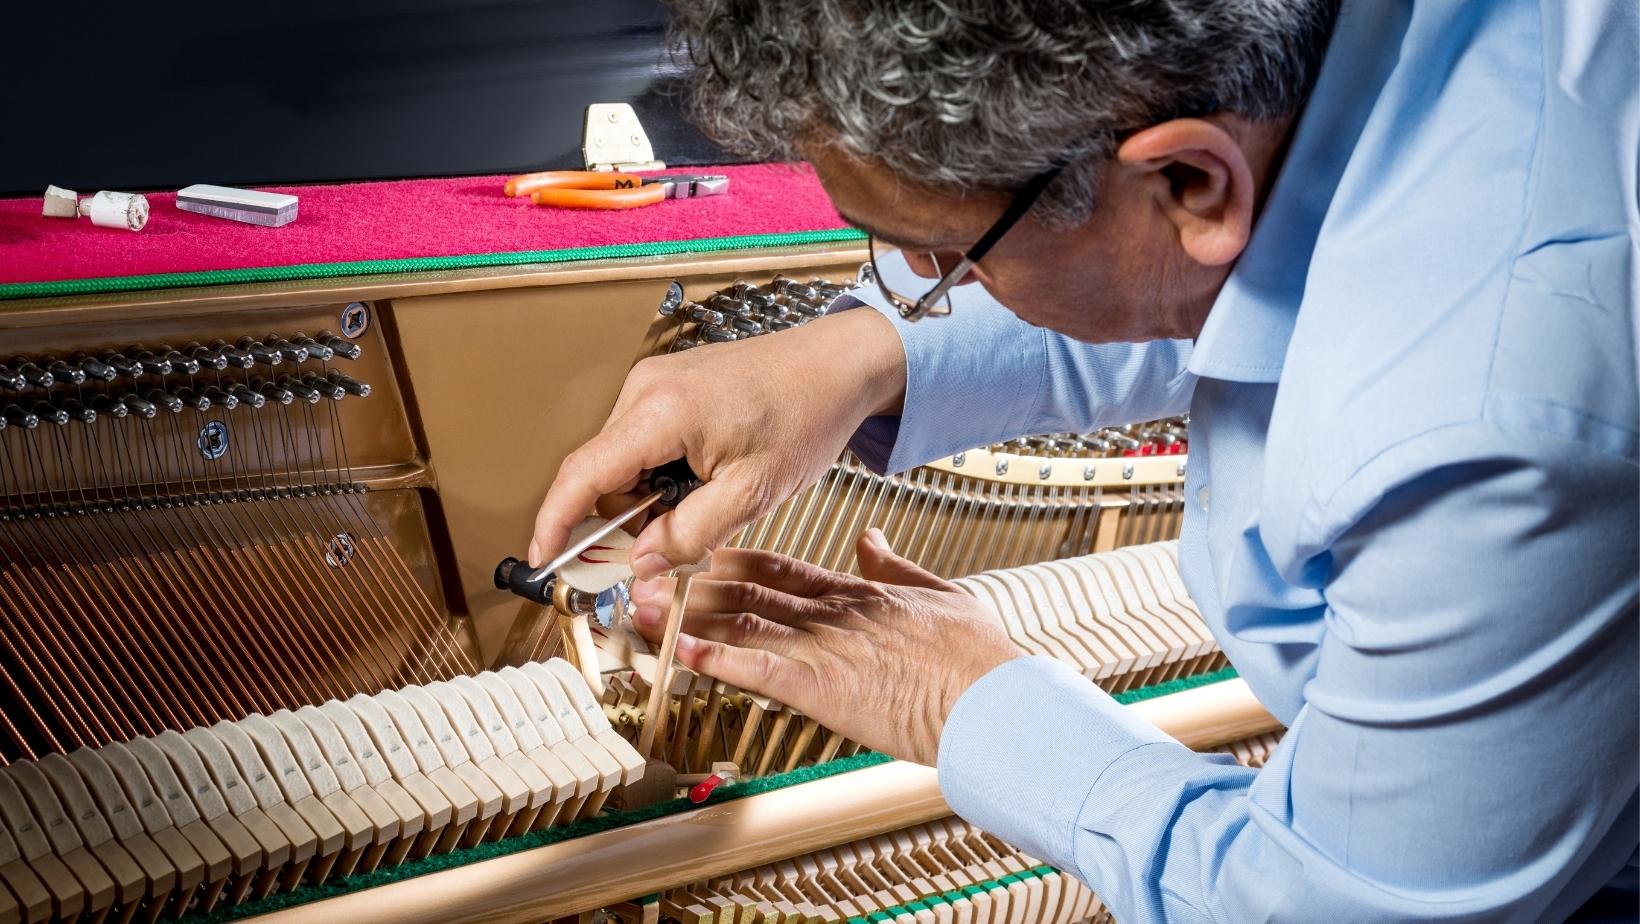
(394, 220)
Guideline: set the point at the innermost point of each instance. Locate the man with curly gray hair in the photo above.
(1383, 254)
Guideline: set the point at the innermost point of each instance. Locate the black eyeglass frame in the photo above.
(934, 303)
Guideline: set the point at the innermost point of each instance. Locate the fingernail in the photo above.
(535, 555)
(644, 591)
(687, 643)
(651, 566)
(647, 614)
(875, 537)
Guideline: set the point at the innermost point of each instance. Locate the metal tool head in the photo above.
(690, 186)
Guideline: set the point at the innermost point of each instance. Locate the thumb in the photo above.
(707, 518)
(880, 563)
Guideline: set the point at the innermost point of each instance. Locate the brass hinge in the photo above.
(612, 138)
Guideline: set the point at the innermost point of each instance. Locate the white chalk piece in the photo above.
(601, 566)
(116, 210)
(251, 206)
(61, 203)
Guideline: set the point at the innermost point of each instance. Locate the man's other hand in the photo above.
(881, 658)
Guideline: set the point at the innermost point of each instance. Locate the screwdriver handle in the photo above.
(674, 480)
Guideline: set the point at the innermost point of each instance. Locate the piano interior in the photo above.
(259, 659)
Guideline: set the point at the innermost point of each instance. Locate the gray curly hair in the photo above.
(977, 95)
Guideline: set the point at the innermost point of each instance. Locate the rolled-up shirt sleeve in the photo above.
(1482, 641)
(982, 376)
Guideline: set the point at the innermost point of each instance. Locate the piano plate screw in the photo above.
(1087, 473)
(958, 459)
(1181, 469)
(213, 440)
(355, 320)
(340, 550)
(1002, 466)
(673, 299)
(1127, 472)
(1043, 472)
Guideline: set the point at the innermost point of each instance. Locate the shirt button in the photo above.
(1202, 496)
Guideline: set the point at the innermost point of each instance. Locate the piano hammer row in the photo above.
(184, 821)
(1122, 617)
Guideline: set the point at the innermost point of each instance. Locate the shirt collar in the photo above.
(1246, 334)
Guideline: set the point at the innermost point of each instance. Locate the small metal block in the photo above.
(958, 459)
(1046, 470)
(1002, 466)
(1127, 472)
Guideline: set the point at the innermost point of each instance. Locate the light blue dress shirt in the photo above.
(1411, 503)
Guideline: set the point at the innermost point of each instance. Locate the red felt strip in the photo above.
(396, 220)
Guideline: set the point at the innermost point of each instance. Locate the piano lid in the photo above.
(129, 96)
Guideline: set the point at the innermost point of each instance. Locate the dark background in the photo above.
(141, 96)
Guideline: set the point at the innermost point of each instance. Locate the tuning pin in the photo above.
(144, 409)
(314, 348)
(149, 363)
(219, 397)
(78, 411)
(746, 326)
(260, 352)
(717, 334)
(31, 373)
(93, 368)
(350, 385)
(247, 397)
(193, 399)
(12, 379)
(323, 387)
(17, 417)
(206, 357)
(299, 389)
(233, 356)
(286, 349)
(705, 315)
(166, 400)
(179, 361)
(344, 348)
(109, 407)
(273, 391)
(729, 306)
(61, 371)
(50, 413)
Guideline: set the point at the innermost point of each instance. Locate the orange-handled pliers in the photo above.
(590, 189)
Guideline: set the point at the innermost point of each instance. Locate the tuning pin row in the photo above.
(746, 310)
(79, 368)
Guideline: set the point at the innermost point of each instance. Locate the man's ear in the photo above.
(1199, 177)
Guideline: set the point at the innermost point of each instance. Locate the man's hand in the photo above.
(758, 420)
(880, 658)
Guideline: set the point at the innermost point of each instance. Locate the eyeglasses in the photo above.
(936, 302)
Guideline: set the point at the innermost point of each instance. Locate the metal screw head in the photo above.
(340, 549)
(1127, 472)
(1002, 466)
(958, 459)
(1044, 471)
(355, 320)
(213, 440)
(1087, 473)
(672, 300)
(1181, 469)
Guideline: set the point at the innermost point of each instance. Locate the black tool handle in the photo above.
(675, 480)
(513, 574)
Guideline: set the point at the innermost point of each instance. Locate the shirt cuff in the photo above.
(1025, 747)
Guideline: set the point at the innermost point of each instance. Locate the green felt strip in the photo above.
(106, 284)
(491, 850)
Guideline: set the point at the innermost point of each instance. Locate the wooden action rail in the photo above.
(614, 866)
